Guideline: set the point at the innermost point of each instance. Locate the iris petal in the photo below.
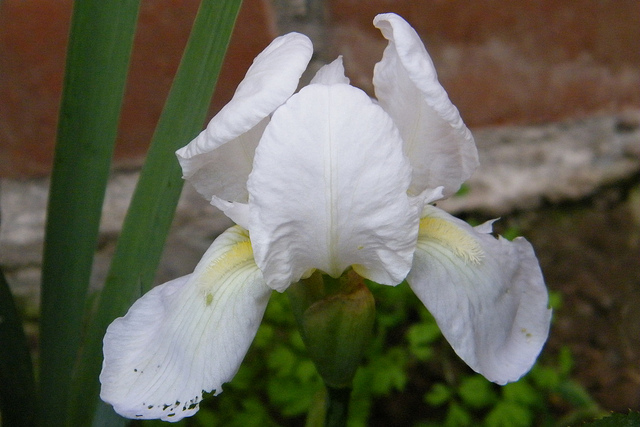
(332, 73)
(186, 336)
(440, 147)
(219, 160)
(487, 295)
(328, 190)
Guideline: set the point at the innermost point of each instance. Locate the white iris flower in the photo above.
(328, 179)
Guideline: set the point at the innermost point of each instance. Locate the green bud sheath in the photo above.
(335, 317)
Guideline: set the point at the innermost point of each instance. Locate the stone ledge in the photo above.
(522, 167)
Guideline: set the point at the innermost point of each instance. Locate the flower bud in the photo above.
(335, 317)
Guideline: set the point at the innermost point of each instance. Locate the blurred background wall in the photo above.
(501, 62)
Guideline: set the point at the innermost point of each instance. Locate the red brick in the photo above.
(510, 62)
(501, 62)
(33, 36)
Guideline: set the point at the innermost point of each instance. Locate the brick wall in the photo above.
(501, 62)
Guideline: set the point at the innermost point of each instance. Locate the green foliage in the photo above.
(512, 232)
(277, 384)
(420, 337)
(476, 392)
(530, 401)
(457, 416)
(631, 419)
(463, 191)
(509, 414)
(439, 395)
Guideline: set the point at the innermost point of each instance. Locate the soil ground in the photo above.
(589, 253)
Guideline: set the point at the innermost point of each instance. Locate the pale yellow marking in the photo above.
(451, 237)
(239, 254)
(230, 261)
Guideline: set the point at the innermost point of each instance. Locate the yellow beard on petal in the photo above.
(226, 265)
(451, 237)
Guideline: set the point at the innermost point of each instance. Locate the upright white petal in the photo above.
(186, 336)
(219, 160)
(329, 74)
(328, 190)
(438, 144)
(487, 295)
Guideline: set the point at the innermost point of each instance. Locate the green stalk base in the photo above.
(337, 406)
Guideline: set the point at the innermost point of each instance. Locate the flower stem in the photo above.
(337, 406)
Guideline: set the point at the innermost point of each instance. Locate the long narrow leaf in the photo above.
(153, 205)
(17, 387)
(97, 62)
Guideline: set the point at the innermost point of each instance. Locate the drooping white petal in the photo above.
(487, 295)
(437, 142)
(328, 190)
(186, 336)
(221, 171)
(218, 161)
(236, 211)
(431, 195)
(332, 73)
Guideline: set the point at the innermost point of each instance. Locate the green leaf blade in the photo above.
(17, 384)
(153, 205)
(97, 61)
